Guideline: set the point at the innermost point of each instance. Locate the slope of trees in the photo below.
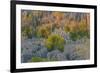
(58, 31)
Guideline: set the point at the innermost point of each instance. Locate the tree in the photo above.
(44, 30)
(55, 41)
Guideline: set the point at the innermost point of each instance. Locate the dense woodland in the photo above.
(54, 36)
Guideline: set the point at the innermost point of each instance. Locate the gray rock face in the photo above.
(56, 55)
(26, 55)
(40, 53)
(78, 50)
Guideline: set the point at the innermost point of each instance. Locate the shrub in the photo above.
(77, 30)
(67, 28)
(42, 31)
(55, 41)
(75, 35)
(81, 31)
(27, 31)
(38, 59)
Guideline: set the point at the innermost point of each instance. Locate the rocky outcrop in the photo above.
(56, 55)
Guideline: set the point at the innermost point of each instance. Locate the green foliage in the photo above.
(27, 31)
(78, 35)
(38, 59)
(55, 41)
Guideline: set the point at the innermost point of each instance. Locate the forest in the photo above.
(54, 36)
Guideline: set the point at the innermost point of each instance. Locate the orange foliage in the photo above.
(58, 16)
